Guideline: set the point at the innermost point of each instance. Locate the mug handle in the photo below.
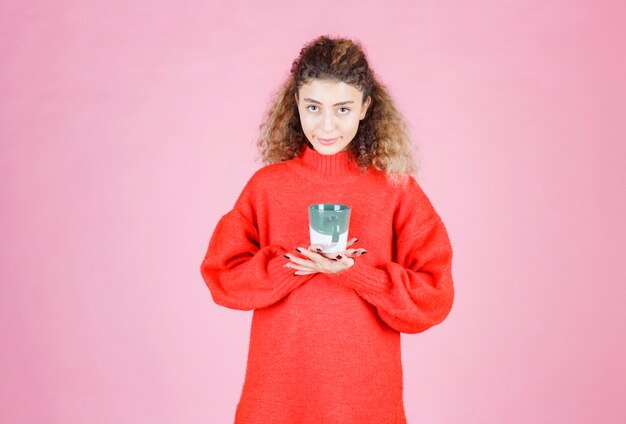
(336, 230)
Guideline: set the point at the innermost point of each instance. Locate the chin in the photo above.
(328, 150)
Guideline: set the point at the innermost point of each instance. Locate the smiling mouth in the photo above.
(327, 140)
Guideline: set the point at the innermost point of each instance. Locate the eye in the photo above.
(309, 107)
(347, 110)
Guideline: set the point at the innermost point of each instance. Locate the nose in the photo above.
(329, 121)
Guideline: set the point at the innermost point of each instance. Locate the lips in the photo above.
(327, 141)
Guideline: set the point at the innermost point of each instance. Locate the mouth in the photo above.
(327, 141)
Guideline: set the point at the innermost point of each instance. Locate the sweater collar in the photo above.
(341, 164)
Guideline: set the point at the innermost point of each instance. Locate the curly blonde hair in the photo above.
(382, 139)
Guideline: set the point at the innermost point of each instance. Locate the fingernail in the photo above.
(355, 240)
(295, 273)
(364, 252)
(298, 249)
(339, 256)
(285, 255)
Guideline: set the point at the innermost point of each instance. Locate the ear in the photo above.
(366, 106)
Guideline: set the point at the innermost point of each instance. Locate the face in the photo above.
(330, 113)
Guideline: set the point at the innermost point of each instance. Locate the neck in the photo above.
(335, 165)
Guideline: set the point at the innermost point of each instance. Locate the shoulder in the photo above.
(413, 208)
(265, 178)
(410, 191)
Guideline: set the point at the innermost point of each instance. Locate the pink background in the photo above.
(127, 130)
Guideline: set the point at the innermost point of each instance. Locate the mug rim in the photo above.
(342, 206)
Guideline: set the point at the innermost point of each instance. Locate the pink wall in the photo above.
(127, 129)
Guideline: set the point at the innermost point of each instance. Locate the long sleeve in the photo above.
(238, 272)
(414, 291)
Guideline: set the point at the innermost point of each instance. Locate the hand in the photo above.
(327, 263)
(351, 253)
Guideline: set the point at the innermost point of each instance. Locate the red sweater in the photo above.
(326, 348)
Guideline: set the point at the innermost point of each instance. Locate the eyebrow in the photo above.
(336, 104)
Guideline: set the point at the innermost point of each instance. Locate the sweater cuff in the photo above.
(277, 273)
(364, 277)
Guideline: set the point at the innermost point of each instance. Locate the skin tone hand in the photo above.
(328, 263)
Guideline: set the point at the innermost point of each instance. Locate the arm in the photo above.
(416, 291)
(238, 272)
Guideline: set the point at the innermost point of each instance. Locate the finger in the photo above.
(295, 260)
(352, 253)
(333, 256)
(300, 267)
(305, 272)
(339, 266)
(312, 257)
(317, 257)
(352, 241)
(316, 248)
(346, 261)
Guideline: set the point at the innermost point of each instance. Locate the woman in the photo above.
(325, 335)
